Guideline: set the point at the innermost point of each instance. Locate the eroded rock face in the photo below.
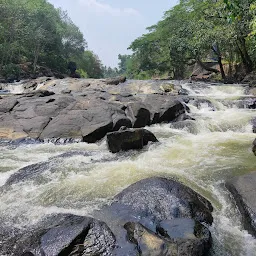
(243, 190)
(128, 139)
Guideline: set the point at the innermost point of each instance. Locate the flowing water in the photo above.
(202, 155)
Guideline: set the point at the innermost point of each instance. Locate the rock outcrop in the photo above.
(243, 190)
(83, 113)
(126, 139)
(59, 235)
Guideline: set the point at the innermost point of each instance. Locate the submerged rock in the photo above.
(243, 189)
(129, 139)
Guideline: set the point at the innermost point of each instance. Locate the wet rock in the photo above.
(163, 108)
(139, 114)
(65, 235)
(184, 117)
(183, 91)
(252, 104)
(149, 243)
(128, 139)
(116, 80)
(254, 147)
(254, 125)
(148, 214)
(174, 237)
(192, 238)
(189, 125)
(243, 189)
(165, 199)
(199, 103)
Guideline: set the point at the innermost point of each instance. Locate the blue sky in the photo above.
(109, 26)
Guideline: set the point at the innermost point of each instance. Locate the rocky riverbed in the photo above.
(63, 192)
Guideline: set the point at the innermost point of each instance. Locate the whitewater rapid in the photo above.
(205, 153)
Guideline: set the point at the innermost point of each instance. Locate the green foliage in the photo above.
(109, 72)
(33, 31)
(11, 71)
(192, 31)
(91, 63)
(82, 73)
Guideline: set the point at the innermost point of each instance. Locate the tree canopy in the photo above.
(34, 32)
(195, 31)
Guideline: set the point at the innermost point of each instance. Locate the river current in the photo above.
(203, 154)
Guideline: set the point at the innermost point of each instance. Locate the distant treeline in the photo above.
(34, 34)
(195, 31)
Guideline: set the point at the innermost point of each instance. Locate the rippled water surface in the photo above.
(202, 155)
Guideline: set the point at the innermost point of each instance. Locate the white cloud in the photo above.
(98, 7)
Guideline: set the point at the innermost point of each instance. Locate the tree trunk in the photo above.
(36, 55)
(217, 52)
(207, 68)
(248, 64)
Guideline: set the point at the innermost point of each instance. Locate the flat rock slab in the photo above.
(243, 188)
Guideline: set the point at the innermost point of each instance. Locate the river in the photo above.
(212, 149)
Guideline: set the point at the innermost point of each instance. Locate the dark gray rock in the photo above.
(183, 91)
(128, 139)
(254, 147)
(148, 214)
(67, 91)
(116, 80)
(174, 237)
(183, 117)
(165, 199)
(65, 235)
(39, 93)
(254, 125)
(164, 109)
(7, 104)
(199, 103)
(243, 189)
(139, 114)
(189, 125)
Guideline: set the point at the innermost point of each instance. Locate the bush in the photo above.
(82, 73)
(11, 71)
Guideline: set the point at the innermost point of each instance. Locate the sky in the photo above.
(109, 26)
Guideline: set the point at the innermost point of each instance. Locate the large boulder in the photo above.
(59, 235)
(159, 216)
(127, 139)
(155, 216)
(163, 108)
(243, 189)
